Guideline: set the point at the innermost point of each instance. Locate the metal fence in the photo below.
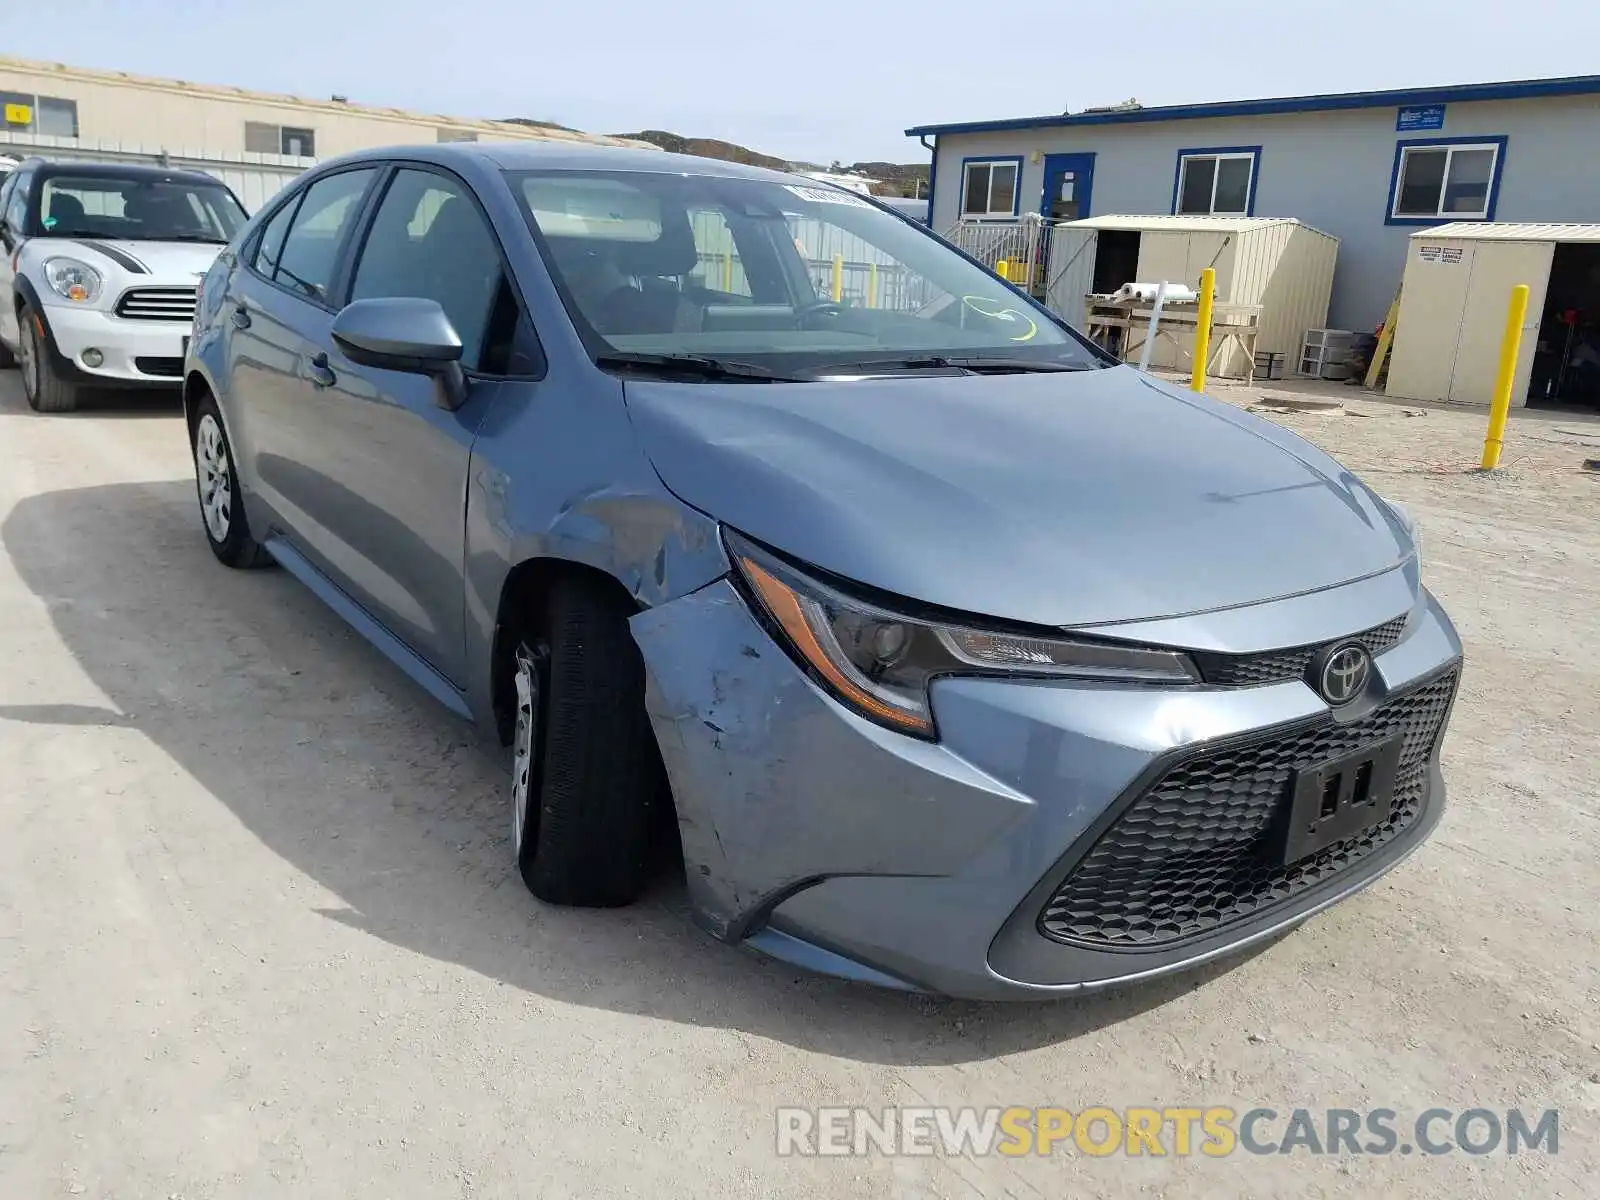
(254, 178)
(837, 260)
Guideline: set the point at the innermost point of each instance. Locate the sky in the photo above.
(817, 80)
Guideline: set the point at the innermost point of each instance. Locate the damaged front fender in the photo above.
(777, 786)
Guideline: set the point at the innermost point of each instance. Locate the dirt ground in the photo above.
(260, 936)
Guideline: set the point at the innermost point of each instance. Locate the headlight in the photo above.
(72, 280)
(880, 662)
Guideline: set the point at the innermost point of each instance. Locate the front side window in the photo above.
(1449, 182)
(990, 189)
(430, 241)
(311, 248)
(17, 204)
(137, 209)
(788, 276)
(1215, 183)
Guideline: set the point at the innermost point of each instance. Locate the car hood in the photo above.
(141, 263)
(1086, 498)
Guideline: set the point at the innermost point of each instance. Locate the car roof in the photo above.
(103, 170)
(559, 156)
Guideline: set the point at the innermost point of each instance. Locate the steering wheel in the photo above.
(817, 308)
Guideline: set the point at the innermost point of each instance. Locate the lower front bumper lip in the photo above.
(793, 947)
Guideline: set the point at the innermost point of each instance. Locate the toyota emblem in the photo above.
(1344, 673)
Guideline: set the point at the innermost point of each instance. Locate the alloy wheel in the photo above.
(525, 741)
(28, 356)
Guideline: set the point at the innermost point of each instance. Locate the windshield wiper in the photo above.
(177, 237)
(942, 362)
(698, 365)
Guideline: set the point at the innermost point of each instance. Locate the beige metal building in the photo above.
(55, 101)
(1275, 264)
(1454, 300)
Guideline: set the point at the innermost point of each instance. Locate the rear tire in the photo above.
(46, 391)
(216, 483)
(594, 777)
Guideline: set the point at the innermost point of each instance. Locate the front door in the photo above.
(1068, 181)
(393, 464)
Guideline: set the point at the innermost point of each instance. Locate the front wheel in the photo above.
(46, 391)
(586, 775)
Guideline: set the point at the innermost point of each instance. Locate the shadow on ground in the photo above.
(338, 765)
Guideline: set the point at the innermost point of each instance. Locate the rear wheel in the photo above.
(586, 775)
(46, 391)
(217, 485)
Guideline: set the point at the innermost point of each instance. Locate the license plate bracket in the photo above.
(1340, 798)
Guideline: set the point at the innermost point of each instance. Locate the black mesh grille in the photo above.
(1198, 849)
(1274, 666)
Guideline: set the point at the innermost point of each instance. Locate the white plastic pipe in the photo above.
(1155, 321)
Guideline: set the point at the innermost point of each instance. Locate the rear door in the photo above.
(390, 464)
(277, 315)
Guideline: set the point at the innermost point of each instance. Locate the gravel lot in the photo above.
(259, 934)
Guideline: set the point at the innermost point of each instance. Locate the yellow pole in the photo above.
(727, 271)
(1000, 269)
(872, 286)
(838, 278)
(1500, 405)
(1202, 330)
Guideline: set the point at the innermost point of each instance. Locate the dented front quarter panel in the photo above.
(558, 474)
(776, 786)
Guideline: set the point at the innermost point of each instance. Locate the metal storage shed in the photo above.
(1453, 302)
(1278, 263)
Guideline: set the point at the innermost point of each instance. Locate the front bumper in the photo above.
(828, 841)
(135, 353)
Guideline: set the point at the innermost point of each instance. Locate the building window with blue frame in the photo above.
(1451, 181)
(1216, 183)
(989, 187)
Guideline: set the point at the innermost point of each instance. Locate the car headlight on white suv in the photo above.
(73, 280)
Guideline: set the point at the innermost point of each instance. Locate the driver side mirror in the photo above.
(404, 333)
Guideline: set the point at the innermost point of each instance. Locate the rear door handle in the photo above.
(319, 372)
(240, 317)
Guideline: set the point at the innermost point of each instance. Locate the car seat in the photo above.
(656, 305)
(66, 214)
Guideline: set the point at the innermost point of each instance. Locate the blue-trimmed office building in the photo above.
(1368, 167)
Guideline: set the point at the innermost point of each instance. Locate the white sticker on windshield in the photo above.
(828, 196)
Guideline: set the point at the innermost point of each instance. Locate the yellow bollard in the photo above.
(838, 278)
(1202, 330)
(1500, 405)
(1002, 269)
(872, 286)
(727, 271)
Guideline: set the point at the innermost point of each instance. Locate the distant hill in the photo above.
(675, 143)
(899, 179)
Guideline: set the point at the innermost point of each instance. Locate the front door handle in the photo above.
(319, 372)
(240, 317)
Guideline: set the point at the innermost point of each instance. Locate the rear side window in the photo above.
(310, 252)
(270, 247)
(429, 240)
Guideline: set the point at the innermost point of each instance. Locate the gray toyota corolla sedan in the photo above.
(957, 656)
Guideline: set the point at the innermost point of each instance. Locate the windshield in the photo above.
(787, 276)
(159, 210)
